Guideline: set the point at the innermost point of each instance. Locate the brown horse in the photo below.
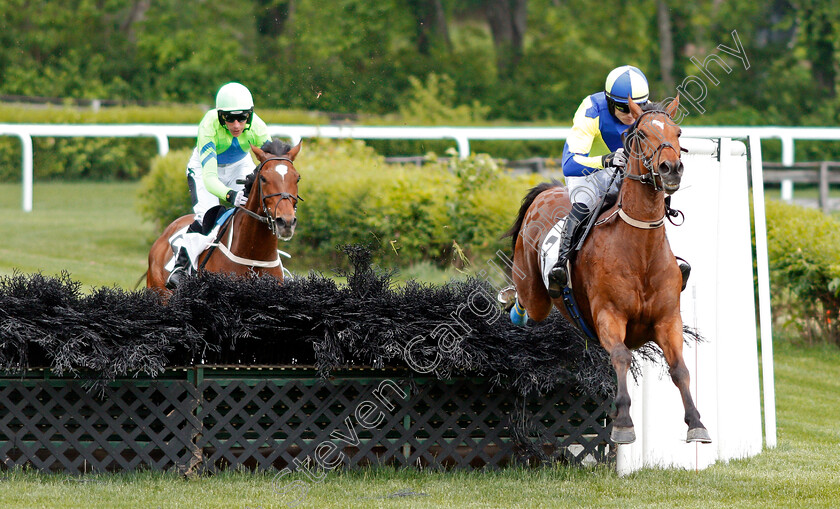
(249, 243)
(625, 278)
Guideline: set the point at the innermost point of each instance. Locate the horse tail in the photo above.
(137, 284)
(535, 191)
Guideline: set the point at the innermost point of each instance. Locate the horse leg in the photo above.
(669, 337)
(530, 291)
(611, 332)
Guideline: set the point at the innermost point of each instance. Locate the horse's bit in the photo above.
(268, 218)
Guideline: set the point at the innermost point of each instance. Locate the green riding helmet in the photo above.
(235, 100)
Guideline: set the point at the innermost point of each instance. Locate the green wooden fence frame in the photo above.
(210, 418)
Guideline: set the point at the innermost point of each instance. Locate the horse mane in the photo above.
(276, 147)
(513, 232)
(653, 106)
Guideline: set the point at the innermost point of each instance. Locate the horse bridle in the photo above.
(268, 218)
(647, 162)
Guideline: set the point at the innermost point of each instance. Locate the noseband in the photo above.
(647, 162)
(267, 218)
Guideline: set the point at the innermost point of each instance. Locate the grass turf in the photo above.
(801, 472)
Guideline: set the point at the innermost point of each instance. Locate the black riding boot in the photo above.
(182, 264)
(685, 270)
(558, 277)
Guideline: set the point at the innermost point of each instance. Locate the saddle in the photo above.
(215, 216)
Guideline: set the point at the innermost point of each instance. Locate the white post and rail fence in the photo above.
(719, 302)
(460, 135)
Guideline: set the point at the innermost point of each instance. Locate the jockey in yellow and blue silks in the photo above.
(221, 157)
(595, 144)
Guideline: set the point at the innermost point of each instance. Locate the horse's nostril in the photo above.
(668, 167)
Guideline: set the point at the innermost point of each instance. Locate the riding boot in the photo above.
(685, 270)
(182, 264)
(558, 277)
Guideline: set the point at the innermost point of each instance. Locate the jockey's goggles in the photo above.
(624, 108)
(235, 116)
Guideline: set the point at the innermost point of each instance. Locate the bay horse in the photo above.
(624, 278)
(249, 243)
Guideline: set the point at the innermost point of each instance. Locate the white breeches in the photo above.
(590, 188)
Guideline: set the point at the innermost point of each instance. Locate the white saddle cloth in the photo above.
(550, 250)
(194, 243)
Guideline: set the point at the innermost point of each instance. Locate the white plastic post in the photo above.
(764, 310)
(163, 143)
(787, 160)
(26, 149)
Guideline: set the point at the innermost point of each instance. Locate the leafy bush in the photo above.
(804, 255)
(164, 195)
(101, 159)
(412, 214)
(435, 103)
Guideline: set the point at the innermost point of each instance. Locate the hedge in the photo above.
(411, 214)
(804, 256)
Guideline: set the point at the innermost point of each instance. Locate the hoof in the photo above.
(507, 297)
(699, 435)
(623, 435)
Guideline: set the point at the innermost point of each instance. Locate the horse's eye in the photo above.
(262, 179)
(298, 179)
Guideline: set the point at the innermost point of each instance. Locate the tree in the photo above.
(508, 21)
(822, 41)
(666, 45)
(431, 25)
(273, 16)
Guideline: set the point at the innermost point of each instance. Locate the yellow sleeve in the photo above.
(584, 132)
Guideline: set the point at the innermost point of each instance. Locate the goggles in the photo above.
(624, 108)
(235, 116)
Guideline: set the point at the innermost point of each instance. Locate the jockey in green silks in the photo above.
(222, 156)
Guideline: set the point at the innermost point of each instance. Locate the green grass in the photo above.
(803, 471)
(91, 230)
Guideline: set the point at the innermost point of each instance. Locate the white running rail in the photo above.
(460, 135)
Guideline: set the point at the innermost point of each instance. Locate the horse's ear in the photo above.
(635, 109)
(671, 109)
(259, 153)
(293, 152)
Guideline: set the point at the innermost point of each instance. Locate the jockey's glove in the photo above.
(615, 159)
(236, 198)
